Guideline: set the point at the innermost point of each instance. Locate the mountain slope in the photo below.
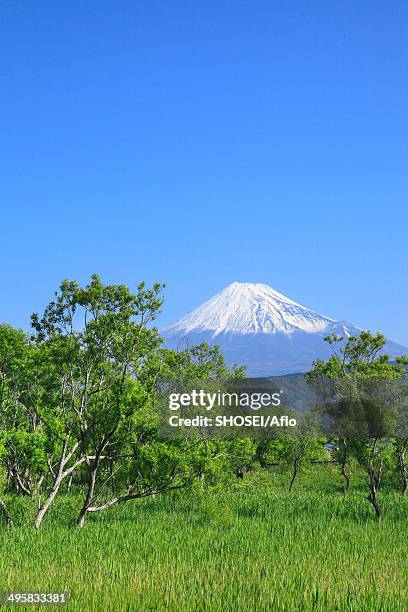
(262, 329)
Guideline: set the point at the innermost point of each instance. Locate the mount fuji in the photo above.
(262, 329)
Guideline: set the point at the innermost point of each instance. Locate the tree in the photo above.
(20, 429)
(3, 507)
(94, 342)
(359, 387)
(79, 398)
(139, 463)
(400, 441)
(303, 444)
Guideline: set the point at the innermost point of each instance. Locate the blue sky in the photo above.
(199, 143)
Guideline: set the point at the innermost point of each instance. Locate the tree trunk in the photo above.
(403, 471)
(90, 492)
(296, 465)
(372, 498)
(346, 475)
(374, 482)
(43, 509)
(344, 463)
(60, 476)
(6, 514)
(81, 517)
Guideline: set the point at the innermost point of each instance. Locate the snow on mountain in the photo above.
(262, 329)
(251, 308)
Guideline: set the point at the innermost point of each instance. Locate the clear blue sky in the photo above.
(200, 143)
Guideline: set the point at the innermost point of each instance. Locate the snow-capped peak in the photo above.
(250, 308)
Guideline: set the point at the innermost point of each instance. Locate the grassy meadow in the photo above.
(250, 546)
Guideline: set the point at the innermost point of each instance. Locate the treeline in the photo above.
(79, 408)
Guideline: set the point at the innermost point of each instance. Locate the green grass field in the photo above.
(250, 547)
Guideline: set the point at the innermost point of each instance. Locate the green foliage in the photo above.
(364, 395)
(79, 405)
(79, 399)
(358, 357)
